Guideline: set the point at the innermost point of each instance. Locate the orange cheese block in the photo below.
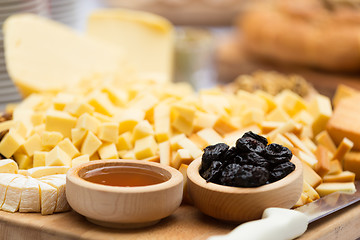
(352, 163)
(345, 121)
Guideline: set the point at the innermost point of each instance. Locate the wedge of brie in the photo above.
(5, 179)
(8, 166)
(30, 196)
(13, 194)
(58, 182)
(48, 198)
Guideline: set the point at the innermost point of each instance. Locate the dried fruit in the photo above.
(251, 163)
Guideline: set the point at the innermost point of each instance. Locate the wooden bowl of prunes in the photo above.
(238, 183)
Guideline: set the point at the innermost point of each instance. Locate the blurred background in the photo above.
(210, 48)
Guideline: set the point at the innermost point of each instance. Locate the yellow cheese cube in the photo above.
(186, 143)
(78, 136)
(269, 99)
(204, 120)
(209, 136)
(23, 160)
(102, 118)
(252, 100)
(277, 115)
(344, 147)
(297, 142)
(304, 117)
(162, 122)
(182, 125)
(144, 102)
(324, 139)
(305, 157)
(80, 160)
(187, 112)
(352, 163)
(342, 92)
(124, 141)
(108, 151)
(129, 118)
(90, 144)
(231, 137)
(304, 199)
(60, 122)
(95, 156)
(268, 126)
(57, 157)
(280, 139)
(290, 102)
(31, 145)
(142, 129)
(284, 128)
(39, 158)
(223, 125)
(145, 147)
(310, 191)
(37, 118)
(199, 142)
(165, 153)
(79, 108)
(101, 103)
(21, 128)
(118, 97)
(68, 147)
(109, 131)
(51, 139)
(10, 144)
(252, 116)
(127, 154)
(181, 156)
(61, 99)
(88, 122)
(320, 108)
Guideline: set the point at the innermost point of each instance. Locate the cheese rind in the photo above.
(8, 166)
(13, 194)
(30, 196)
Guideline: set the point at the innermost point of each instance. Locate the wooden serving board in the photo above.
(185, 223)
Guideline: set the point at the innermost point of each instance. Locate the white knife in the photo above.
(285, 224)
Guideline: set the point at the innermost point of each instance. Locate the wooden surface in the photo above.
(186, 223)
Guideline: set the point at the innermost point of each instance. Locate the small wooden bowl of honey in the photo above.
(124, 193)
(238, 204)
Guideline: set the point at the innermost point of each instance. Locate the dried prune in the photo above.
(257, 137)
(213, 172)
(255, 159)
(281, 171)
(251, 163)
(276, 153)
(248, 144)
(213, 153)
(244, 176)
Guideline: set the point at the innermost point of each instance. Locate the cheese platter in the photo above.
(102, 112)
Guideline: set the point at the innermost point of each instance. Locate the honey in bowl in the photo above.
(124, 176)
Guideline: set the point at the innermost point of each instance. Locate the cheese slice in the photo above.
(30, 196)
(13, 194)
(32, 42)
(8, 166)
(58, 182)
(147, 38)
(38, 172)
(48, 198)
(5, 179)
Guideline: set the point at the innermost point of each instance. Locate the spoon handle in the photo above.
(276, 223)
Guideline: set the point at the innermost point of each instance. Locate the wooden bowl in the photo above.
(237, 204)
(124, 207)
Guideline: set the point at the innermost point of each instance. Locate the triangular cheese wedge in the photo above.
(30, 196)
(48, 198)
(5, 179)
(38, 172)
(58, 182)
(13, 194)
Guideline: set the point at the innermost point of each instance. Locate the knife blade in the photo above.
(284, 224)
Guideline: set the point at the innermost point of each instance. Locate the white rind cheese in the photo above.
(58, 182)
(13, 194)
(30, 196)
(5, 180)
(48, 198)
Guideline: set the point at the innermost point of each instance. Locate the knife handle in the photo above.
(276, 223)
